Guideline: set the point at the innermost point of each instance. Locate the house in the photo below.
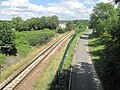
(62, 25)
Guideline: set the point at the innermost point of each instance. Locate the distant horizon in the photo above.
(64, 9)
(40, 17)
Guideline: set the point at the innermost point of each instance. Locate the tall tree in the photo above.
(70, 26)
(103, 15)
(106, 20)
(54, 22)
(7, 37)
(16, 23)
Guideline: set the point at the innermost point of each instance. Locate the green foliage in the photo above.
(2, 59)
(7, 37)
(60, 30)
(70, 26)
(35, 23)
(17, 23)
(81, 26)
(103, 16)
(105, 20)
(54, 22)
(26, 39)
(84, 22)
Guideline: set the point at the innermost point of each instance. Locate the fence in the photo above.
(61, 77)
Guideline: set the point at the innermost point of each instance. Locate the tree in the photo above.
(81, 25)
(54, 22)
(70, 26)
(49, 22)
(7, 37)
(33, 23)
(17, 23)
(100, 18)
(117, 1)
(106, 21)
(112, 58)
(25, 26)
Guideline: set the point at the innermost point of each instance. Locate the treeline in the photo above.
(35, 23)
(8, 29)
(105, 21)
(17, 24)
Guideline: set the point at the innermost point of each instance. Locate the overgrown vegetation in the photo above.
(15, 42)
(7, 45)
(25, 50)
(105, 21)
(25, 40)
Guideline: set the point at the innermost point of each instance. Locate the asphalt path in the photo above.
(83, 75)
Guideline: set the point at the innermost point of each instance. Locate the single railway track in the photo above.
(14, 80)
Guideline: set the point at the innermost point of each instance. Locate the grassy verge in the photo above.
(35, 50)
(96, 50)
(44, 81)
(70, 52)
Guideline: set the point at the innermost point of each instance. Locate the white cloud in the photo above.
(105, 1)
(89, 2)
(69, 9)
(13, 3)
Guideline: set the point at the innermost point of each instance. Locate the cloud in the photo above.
(65, 9)
(13, 3)
(89, 2)
(105, 1)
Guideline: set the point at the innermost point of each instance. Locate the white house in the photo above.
(62, 25)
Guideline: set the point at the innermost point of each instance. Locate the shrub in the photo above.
(26, 39)
(7, 37)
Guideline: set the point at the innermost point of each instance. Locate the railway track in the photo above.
(14, 80)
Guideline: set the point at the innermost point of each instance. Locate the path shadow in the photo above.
(61, 81)
(86, 34)
(84, 77)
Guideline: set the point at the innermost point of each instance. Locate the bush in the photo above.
(26, 39)
(7, 37)
(60, 30)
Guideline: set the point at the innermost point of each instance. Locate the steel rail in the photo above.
(14, 80)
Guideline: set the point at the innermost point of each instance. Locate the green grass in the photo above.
(2, 60)
(43, 82)
(96, 50)
(70, 52)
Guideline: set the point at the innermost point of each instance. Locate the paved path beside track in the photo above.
(83, 75)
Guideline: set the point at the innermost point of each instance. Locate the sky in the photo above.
(64, 9)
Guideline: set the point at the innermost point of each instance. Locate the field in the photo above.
(28, 39)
